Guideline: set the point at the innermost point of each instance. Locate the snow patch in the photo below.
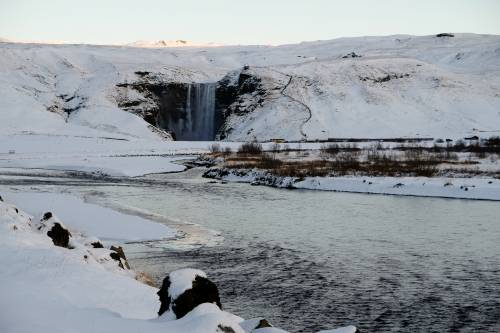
(182, 280)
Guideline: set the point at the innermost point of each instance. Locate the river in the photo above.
(310, 260)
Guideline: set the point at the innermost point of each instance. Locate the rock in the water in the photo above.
(60, 236)
(175, 297)
(47, 216)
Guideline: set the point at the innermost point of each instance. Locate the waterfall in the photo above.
(188, 111)
(198, 123)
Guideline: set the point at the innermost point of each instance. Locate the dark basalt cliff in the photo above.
(191, 111)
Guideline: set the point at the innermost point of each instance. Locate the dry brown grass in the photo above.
(344, 164)
(345, 159)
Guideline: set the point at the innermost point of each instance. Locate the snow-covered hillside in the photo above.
(352, 87)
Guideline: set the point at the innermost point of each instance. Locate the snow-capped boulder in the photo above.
(59, 234)
(185, 289)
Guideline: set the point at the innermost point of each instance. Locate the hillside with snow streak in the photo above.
(369, 87)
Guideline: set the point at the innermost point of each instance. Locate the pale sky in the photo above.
(239, 21)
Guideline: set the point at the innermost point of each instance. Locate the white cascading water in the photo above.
(199, 123)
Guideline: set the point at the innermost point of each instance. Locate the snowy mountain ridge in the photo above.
(394, 86)
(169, 43)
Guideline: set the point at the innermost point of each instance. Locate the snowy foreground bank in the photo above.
(57, 277)
(458, 188)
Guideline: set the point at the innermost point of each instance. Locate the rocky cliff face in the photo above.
(191, 111)
(238, 93)
(185, 110)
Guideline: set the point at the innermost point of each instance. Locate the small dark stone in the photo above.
(60, 236)
(47, 216)
(97, 245)
(225, 329)
(253, 324)
(351, 55)
(142, 73)
(445, 35)
(1, 199)
(17, 210)
(202, 291)
(263, 323)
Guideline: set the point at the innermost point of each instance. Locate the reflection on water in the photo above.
(312, 260)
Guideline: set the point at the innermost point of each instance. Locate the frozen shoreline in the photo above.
(438, 187)
(79, 286)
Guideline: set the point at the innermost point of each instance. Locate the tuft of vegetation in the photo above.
(250, 148)
(228, 151)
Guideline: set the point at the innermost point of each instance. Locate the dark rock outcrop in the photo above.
(119, 255)
(60, 236)
(224, 329)
(239, 93)
(351, 55)
(385, 78)
(97, 245)
(202, 291)
(445, 35)
(186, 111)
(260, 177)
(177, 107)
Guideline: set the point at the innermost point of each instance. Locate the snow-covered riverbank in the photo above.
(48, 288)
(459, 188)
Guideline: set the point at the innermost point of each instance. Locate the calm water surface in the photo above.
(315, 260)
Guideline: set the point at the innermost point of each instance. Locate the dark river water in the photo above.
(309, 260)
